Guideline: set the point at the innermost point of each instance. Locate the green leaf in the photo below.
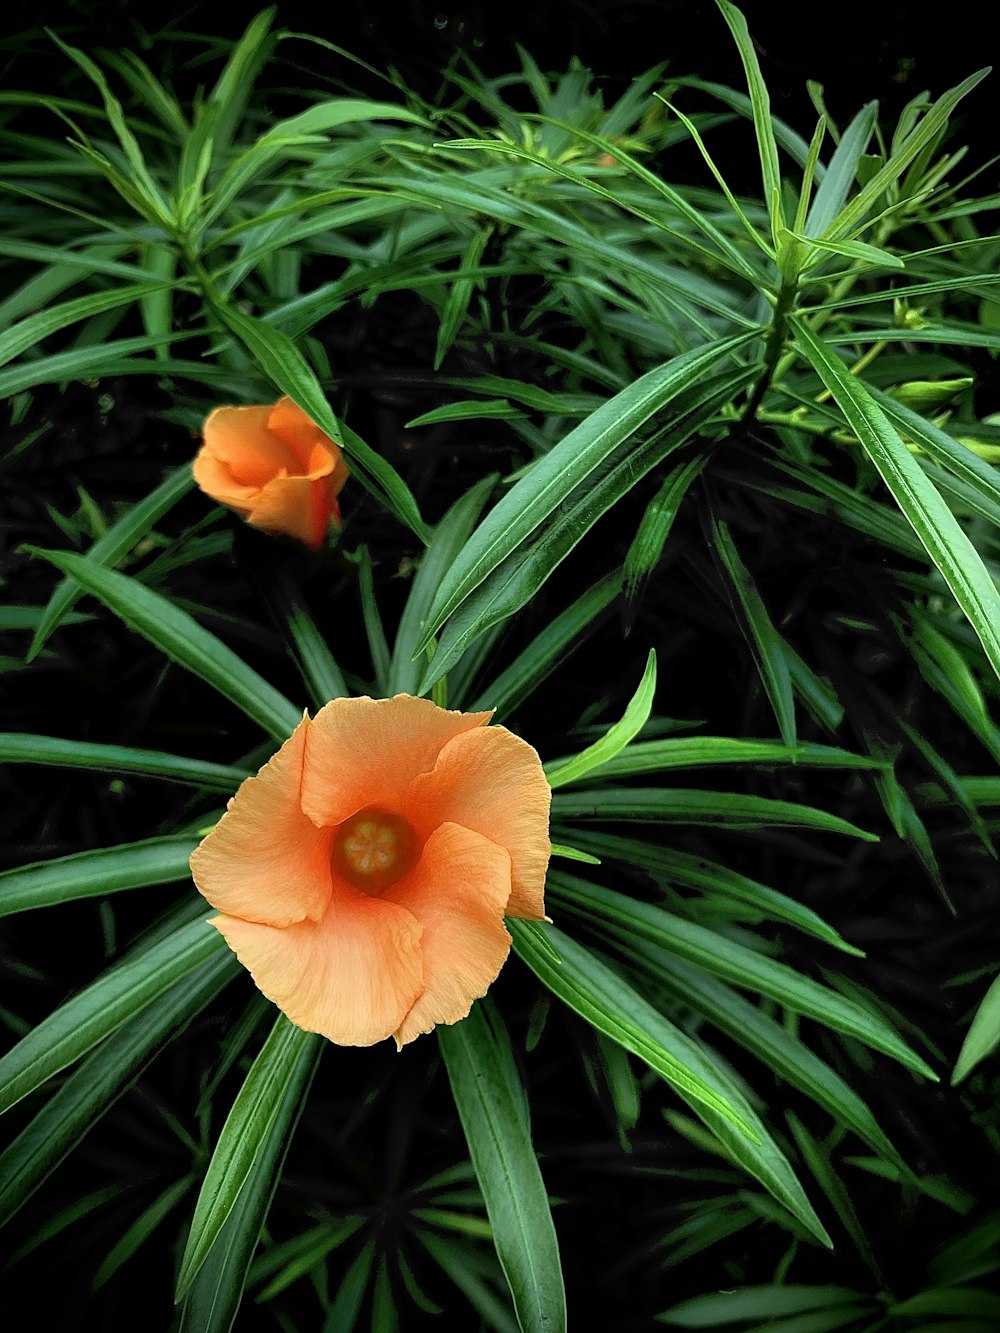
(265, 1105)
(840, 174)
(518, 574)
(17, 747)
(102, 1077)
(763, 640)
(852, 215)
(761, 108)
(634, 921)
(704, 751)
(214, 1295)
(729, 809)
(600, 437)
(481, 1071)
(116, 542)
(983, 1036)
(120, 993)
(610, 1004)
(134, 865)
(654, 529)
(285, 366)
(26, 333)
(460, 293)
(718, 1308)
(933, 522)
(561, 771)
(545, 652)
(447, 540)
(83, 363)
(772, 1044)
(178, 635)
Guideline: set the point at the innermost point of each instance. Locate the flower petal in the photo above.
(297, 506)
(299, 433)
(239, 438)
(352, 976)
(217, 481)
(492, 782)
(265, 860)
(458, 891)
(365, 752)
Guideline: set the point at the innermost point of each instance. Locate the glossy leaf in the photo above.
(481, 1071)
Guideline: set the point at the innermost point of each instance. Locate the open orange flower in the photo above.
(363, 875)
(275, 466)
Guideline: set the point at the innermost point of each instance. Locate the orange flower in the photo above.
(275, 466)
(363, 875)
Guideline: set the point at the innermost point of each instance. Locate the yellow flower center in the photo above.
(373, 849)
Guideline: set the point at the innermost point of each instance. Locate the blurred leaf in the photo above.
(983, 1036)
(718, 1309)
(481, 1073)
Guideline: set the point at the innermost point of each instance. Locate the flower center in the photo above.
(373, 849)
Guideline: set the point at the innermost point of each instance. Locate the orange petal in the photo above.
(352, 976)
(298, 432)
(296, 506)
(492, 782)
(366, 752)
(458, 892)
(217, 481)
(265, 860)
(239, 438)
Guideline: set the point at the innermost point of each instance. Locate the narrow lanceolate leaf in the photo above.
(283, 364)
(180, 636)
(17, 747)
(982, 1038)
(22, 336)
(449, 536)
(214, 1295)
(765, 643)
(933, 522)
(481, 1071)
(840, 174)
(634, 921)
(701, 751)
(79, 1024)
(614, 739)
(718, 809)
(541, 657)
(611, 1005)
(116, 542)
(553, 477)
(263, 1109)
(511, 583)
(777, 1048)
(93, 1088)
(134, 865)
(761, 107)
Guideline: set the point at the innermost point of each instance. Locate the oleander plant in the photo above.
(501, 659)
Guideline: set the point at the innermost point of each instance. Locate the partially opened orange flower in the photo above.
(273, 465)
(363, 875)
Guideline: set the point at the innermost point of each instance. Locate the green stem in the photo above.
(772, 348)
